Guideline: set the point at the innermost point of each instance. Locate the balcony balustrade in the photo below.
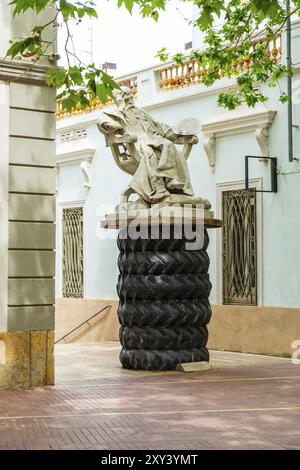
(189, 73)
(95, 103)
(173, 76)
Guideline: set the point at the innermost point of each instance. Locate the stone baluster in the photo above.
(161, 82)
(274, 51)
(187, 74)
(171, 79)
(192, 72)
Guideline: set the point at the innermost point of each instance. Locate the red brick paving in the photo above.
(252, 407)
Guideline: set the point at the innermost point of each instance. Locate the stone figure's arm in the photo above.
(169, 133)
(108, 124)
(164, 130)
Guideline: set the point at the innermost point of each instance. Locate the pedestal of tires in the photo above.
(164, 304)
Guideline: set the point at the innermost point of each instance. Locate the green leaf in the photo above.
(56, 77)
(228, 48)
(179, 58)
(20, 6)
(284, 98)
(29, 46)
(101, 92)
(76, 75)
(163, 55)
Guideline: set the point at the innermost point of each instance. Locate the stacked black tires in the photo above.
(164, 307)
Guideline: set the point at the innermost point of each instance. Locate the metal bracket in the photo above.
(273, 167)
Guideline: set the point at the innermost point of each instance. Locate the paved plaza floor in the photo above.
(243, 402)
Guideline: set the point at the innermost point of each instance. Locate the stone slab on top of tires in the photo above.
(164, 301)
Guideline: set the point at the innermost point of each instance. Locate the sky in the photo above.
(129, 40)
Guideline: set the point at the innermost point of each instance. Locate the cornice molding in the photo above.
(23, 72)
(75, 156)
(82, 156)
(237, 122)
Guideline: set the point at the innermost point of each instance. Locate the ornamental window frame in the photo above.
(254, 183)
(68, 205)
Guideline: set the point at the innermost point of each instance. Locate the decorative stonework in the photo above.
(74, 148)
(69, 157)
(262, 137)
(86, 170)
(239, 122)
(72, 134)
(77, 154)
(209, 143)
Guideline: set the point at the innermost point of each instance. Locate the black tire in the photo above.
(164, 309)
(163, 338)
(176, 286)
(172, 243)
(190, 312)
(160, 360)
(156, 263)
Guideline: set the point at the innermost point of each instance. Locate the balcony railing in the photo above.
(172, 77)
(95, 103)
(179, 76)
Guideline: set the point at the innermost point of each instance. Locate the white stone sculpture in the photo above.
(146, 149)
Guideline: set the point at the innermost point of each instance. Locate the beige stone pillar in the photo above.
(27, 215)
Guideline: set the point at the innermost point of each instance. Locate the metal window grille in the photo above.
(239, 247)
(72, 252)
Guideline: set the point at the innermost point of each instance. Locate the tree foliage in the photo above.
(233, 30)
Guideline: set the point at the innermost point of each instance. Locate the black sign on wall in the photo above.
(273, 169)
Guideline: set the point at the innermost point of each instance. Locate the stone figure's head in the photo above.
(123, 97)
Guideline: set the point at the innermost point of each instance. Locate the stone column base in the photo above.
(26, 359)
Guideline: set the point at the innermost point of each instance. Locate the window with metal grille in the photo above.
(72, 252)
(239, 247)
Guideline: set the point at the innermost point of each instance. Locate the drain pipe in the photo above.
(289, 82)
